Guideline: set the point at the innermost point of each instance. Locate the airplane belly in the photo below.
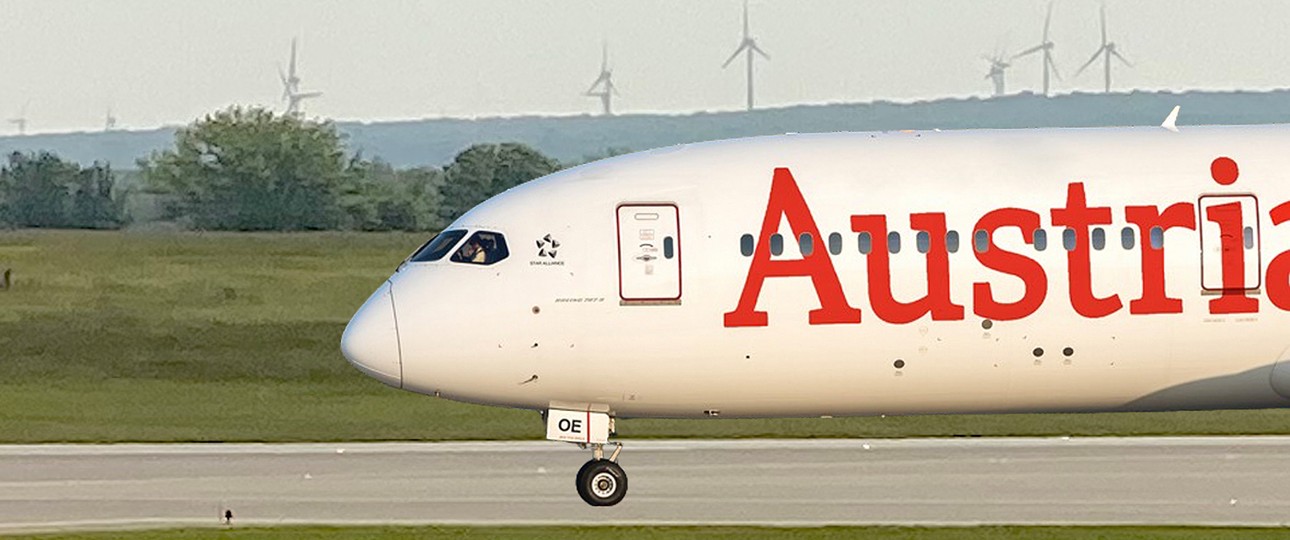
(1029, 366)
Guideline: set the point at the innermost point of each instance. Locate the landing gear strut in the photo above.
(602, 482)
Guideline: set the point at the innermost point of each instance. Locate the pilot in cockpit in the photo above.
(472, 252)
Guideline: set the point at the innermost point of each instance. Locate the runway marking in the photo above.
(935, 482)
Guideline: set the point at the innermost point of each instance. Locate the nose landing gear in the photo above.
(602, 482)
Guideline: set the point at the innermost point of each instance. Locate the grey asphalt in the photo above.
(1213, 481)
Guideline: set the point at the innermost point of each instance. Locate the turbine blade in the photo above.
(1103, 24)
(741, 48)
(1048, 21)
(1052, 65)
(292, 71)
(1122, 59)
(602, 78)
(1090, 61)
(1029, 51)
(286, 86)
(754, 46)
(746, 19)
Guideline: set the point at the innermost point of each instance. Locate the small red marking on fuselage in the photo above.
(1224, 171)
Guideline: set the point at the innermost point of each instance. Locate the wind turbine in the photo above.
(109, 121)
(1047, 47)
(604, 82)
(748, 46)
(998, 67)
(1107, 50)
(291, 84)
(21, 119)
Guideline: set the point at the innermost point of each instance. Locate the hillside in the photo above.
(572, 138)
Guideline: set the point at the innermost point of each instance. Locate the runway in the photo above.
(1211, 481)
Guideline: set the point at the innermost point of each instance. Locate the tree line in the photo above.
(249, 169)
(41, 190)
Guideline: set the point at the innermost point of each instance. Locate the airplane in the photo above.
(822, 275)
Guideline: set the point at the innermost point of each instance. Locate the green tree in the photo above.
(92, 203)
(35, 187)
(382, 198)
(249, 169)
(417, 197)
(42, 190)
(484, 170)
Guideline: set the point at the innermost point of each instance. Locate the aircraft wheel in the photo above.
(602, 483)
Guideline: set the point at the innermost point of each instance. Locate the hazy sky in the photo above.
(158, 62)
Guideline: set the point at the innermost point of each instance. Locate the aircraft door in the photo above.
(649, 254)
(1230, 258)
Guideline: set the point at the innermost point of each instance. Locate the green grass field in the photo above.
(111, 336)
(706, 533)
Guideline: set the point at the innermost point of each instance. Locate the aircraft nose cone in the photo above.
(371, 340)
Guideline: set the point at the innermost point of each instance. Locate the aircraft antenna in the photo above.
(1171, 121)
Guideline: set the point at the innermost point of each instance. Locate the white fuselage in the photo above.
(610, 322)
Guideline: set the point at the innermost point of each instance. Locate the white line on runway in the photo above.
(800, 482)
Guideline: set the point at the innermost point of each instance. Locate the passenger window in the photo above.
(438, 246)
(1249, 237)
(669, 247)
(981, 241)
(776, 244)
(806, 244)
(865, 242)
(1068, 239)
(893, 242)
(746, 245)
(952, 241)
(484, 248)
(1041, 239)
(835, 243)
(1157, 238)
(1099, 238)
(923, 241)
(1128, 237)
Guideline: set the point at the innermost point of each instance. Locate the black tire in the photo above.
(581, 481)
(602, 483)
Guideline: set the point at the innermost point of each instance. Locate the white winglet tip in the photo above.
(1171, 121)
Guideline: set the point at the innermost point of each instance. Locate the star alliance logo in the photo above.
(547, 246)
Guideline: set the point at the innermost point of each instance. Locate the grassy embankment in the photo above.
(707, 533)
(111, 336)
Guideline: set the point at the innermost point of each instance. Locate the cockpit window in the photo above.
(438, 246)
(483, 248)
